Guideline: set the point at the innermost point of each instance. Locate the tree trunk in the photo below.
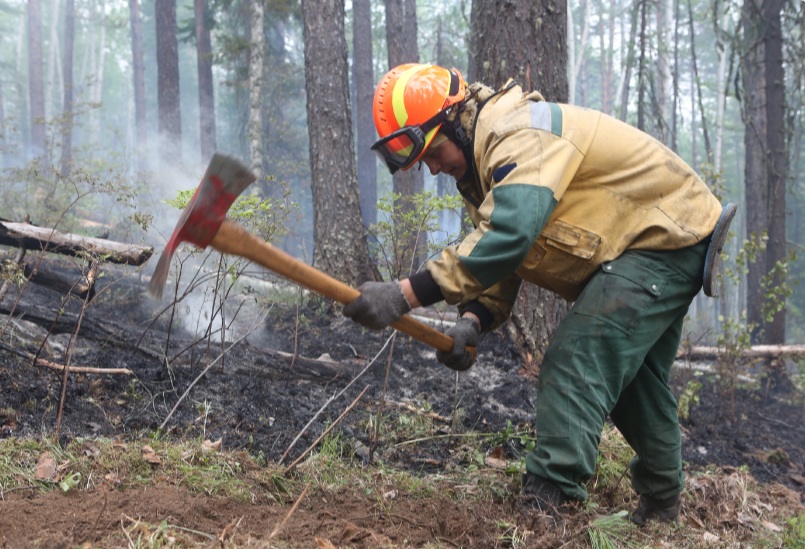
(256, 57)
(665, 16)
(340, 247)
(206, 102)
(4, 147)
(501, 32)
(19, 85)
(762, 163)
(67, 65)
(36, 93)
(168, 100)
(54, 62)
(363, 84)
(641, 67)
(138, 70)
(606, 31)
(675, 83)
(708, 153)
(578, 60)
(623, 88)
(400, 23)
(777, 166)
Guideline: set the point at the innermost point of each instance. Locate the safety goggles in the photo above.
(401, 149)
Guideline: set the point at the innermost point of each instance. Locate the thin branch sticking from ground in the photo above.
(334, 397)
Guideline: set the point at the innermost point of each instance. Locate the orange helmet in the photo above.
(411, 102)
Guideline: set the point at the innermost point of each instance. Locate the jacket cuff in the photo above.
(480, 311)
(425, 288)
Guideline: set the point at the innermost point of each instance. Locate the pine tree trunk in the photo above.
(138, 70)
(206, 102)
(641, 67)
(19, 86)
(578, 61)
(54, 62)
(708, 152)
(756, 183)
(168, 100)
(778, 157)
(67, 65)
(36, 93)
(665, 16)
(3, 136)
(501, 32)
(364, 84)
(624, 86)
(256, 58)
(340, 247)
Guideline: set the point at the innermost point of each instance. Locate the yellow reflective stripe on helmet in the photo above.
(398, 94)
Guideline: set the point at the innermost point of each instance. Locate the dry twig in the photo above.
(332, 398)
(382, 401)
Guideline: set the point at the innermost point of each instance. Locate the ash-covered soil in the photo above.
(262, 391)
(270, 388)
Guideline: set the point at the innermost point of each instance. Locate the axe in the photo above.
(203, 223)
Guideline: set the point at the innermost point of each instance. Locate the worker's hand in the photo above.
(379, 304)
(465, 332)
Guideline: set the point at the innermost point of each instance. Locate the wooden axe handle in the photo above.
(233, 239)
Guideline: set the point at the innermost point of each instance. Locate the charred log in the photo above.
(63, 277)
(278, 365)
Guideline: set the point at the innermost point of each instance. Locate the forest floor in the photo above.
(204, 452)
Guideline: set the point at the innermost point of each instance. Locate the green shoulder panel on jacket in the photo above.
(520, 212)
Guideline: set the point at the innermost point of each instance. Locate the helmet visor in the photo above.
(400, 149)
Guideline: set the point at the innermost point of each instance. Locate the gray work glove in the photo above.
(379, 304)
(465, 332)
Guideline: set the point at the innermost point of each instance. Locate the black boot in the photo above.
(649, 508)
(542, 494)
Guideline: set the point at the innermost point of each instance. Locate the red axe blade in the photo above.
(224, 180)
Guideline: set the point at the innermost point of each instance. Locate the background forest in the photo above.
(109, 108)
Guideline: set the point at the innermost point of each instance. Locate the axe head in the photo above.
(222, 183)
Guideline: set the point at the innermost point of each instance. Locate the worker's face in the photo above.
(446, 158)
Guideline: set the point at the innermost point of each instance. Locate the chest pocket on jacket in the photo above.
(563, 251)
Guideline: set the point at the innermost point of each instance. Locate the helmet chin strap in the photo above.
(455, 132)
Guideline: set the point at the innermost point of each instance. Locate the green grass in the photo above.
(722, 508)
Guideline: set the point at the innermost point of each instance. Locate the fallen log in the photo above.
(56, 275)
(699, 352)
(40, 238)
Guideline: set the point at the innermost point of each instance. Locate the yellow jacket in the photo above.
(562, 190)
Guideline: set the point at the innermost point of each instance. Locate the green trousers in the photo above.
(611, 356)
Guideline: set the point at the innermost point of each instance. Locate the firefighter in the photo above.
(581, 204)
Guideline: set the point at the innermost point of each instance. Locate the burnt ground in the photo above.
(264, 390)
